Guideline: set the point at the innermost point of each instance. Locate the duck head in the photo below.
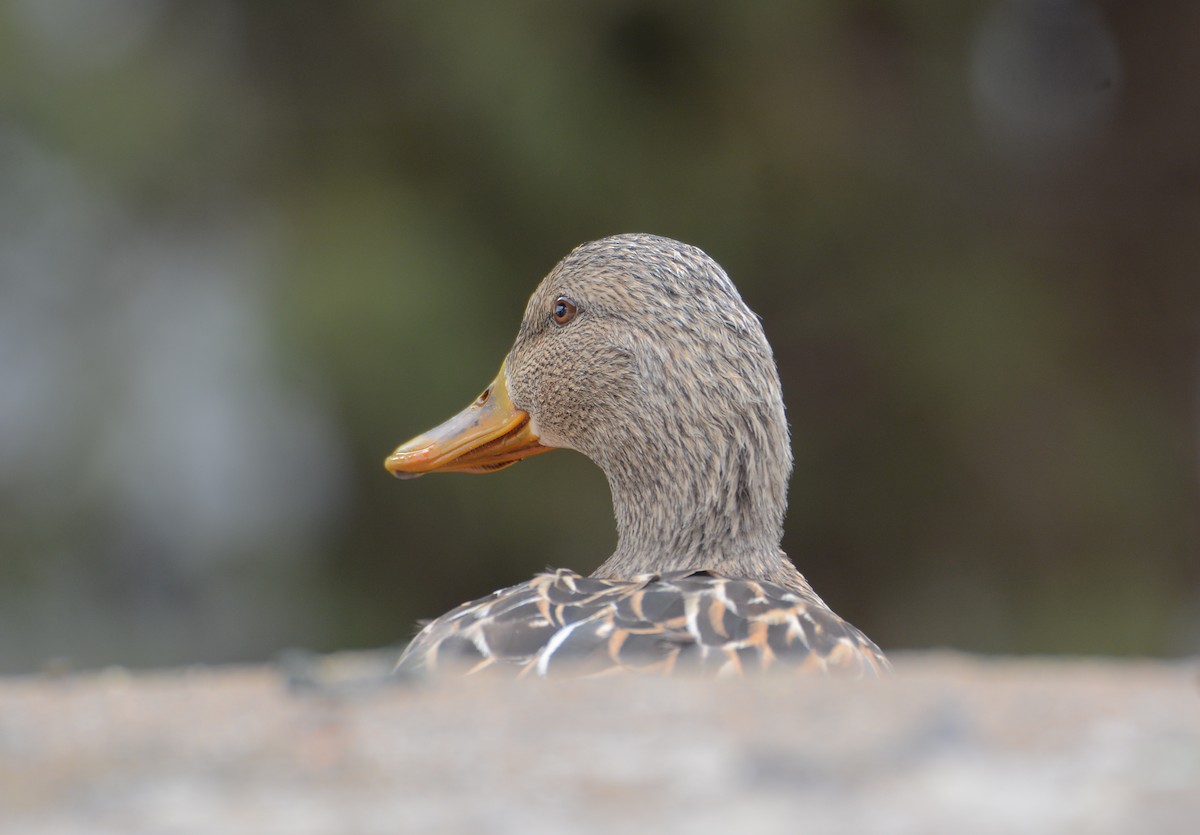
(638, 352)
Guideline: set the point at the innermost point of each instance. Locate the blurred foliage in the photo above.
(976, 262)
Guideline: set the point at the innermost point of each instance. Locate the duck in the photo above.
(638, 352)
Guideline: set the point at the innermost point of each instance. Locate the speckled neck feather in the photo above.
(666, 380)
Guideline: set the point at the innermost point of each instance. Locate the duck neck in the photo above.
(716, 505)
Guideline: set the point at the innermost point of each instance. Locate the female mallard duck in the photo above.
(638, 352)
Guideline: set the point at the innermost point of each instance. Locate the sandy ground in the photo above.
(950, 744)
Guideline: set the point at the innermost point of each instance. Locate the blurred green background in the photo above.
(246, 248)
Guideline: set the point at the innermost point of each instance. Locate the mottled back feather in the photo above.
(695, 621)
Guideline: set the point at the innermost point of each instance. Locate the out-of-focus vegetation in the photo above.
(247, 248)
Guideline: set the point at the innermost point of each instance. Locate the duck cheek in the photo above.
(546, 434)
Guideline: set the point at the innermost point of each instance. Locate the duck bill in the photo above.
(488, 435)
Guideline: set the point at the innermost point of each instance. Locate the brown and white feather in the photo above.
(690, 621)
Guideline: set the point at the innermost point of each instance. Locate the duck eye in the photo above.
(564, 310)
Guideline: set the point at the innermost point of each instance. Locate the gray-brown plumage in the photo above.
(638, 352)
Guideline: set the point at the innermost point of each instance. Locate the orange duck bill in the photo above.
(488, 435)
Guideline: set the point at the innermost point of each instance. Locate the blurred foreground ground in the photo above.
(950, 744)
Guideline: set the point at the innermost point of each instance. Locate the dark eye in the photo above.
(563, 311)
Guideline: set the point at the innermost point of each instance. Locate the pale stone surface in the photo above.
(950, 744)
